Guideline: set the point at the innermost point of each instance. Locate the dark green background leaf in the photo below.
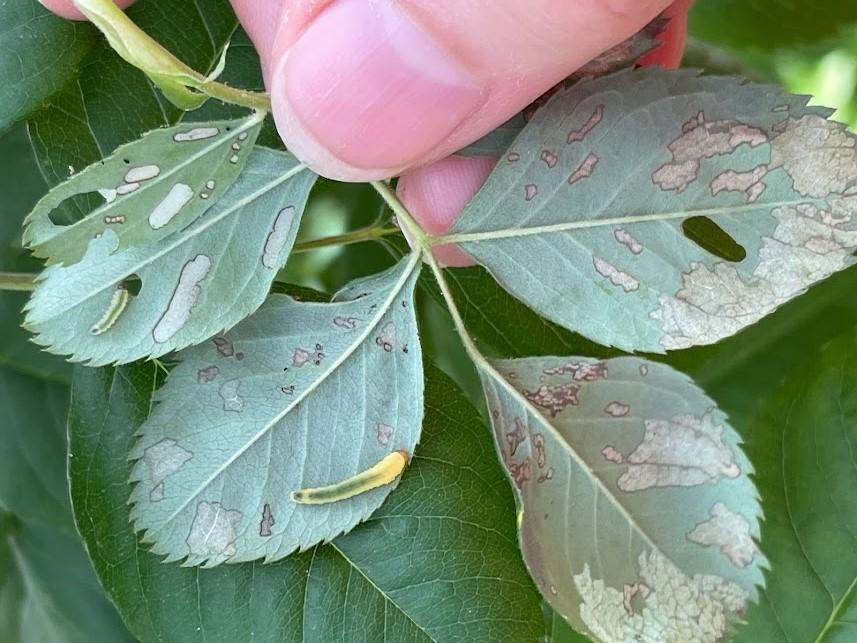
(803, 442)
(770, 24)
(452, 499)
(39, 53)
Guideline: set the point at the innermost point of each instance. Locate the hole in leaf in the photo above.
(712, 238)
(75, 208)
(132, 284)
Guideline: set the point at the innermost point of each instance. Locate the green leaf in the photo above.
(802, 442)
(301, 395)
(438, 561)
(583, 218)
(501, 325)
(195, 282)
(150, 188)
(638, 514)
(32, 461)
(770, 24)
(48, 593)
(39, 53)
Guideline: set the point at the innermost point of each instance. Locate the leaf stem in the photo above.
(371, 233)
(425, 242)
(175, 78)
(19, 281)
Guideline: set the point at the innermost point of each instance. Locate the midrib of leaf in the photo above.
(194, 231)
(837, 607)
(386, 596)
(413, 262)
(512, 233)
(255, 119)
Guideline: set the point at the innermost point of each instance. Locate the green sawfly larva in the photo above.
(117, 305)
(387, 470)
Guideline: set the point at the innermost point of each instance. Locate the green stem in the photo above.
(175, 78)
(424, 242)
(20, 281)
(372, 233)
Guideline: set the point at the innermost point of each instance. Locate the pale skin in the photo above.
(368, 89)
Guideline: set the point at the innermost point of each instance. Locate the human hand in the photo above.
(363, 89)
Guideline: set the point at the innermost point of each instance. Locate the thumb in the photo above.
(364, 89)
(66, 8)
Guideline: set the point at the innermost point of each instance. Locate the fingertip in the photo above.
(66, 8)
(436, 194)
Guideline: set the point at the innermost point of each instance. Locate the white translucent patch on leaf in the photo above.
(277, 238)
(109, 194)
(730, 532)
(177, 198)
(196, 134)
(750, 182)
(627, 239)
(617, 277)
(682, 452)
(819, 155)
(229, 394)
(142, 173)
(162, 460)
(663, 606)
(183, 300)
(214, 530)
(808, 245)
(127, 188)
(387, 338)
(617, 409)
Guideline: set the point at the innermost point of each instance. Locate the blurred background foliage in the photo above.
(48, 591)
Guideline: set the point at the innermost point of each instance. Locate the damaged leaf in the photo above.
(184, 287)
(639, 518)
(148, 189)
(582, 219)
(300, 395)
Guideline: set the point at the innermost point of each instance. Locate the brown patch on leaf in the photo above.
(515, 438)
(267, 521)
(580, 371)
(554, 399)
(520, 472)
(585, 169)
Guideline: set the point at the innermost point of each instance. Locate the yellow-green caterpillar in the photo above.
(387, 470)
(117, 305)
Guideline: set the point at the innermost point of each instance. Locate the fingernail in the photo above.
(375, 90)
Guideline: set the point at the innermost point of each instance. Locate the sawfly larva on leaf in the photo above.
(385, 472)
(117, 304)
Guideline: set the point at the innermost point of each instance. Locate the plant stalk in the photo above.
(17, 281)
(181, 84)
(371, 233)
